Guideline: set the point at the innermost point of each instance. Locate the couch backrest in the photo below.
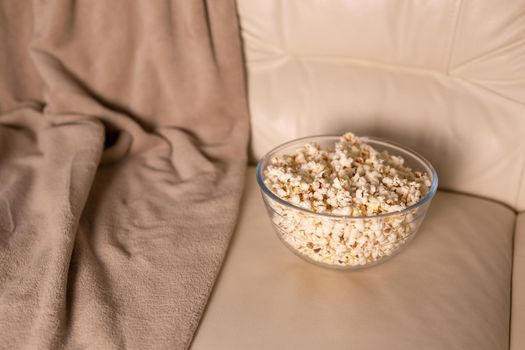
(446, 78)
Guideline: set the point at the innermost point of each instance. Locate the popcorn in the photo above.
(353, 179)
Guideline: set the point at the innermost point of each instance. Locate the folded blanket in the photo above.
(123, 129)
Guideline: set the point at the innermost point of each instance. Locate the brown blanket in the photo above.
(123, 129)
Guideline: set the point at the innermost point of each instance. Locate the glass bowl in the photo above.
(363, 241)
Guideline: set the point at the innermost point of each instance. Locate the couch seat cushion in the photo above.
(449, 289)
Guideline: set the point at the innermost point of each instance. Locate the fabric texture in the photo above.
(123, 129)
(448, 289)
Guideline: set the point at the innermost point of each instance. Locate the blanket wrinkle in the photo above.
(7, 222)
(123, 137)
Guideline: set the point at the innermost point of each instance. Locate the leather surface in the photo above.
(517, 336)
(446, 78)
(449, 289)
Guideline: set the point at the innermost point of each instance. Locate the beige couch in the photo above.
(446, 78)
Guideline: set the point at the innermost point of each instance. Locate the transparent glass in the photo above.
(362, 241)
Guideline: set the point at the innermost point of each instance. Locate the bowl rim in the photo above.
(269, 193)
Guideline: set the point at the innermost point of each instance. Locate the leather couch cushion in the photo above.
(449, 289)
(517, 339)
(446, 78)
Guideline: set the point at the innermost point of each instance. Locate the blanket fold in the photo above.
(123, 134)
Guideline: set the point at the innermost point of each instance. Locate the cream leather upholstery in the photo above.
(448, 290)
(517, 338)
(446, 78)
